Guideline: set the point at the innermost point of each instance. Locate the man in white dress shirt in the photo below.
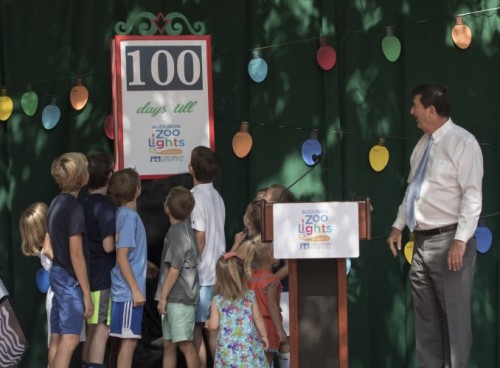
(443, 214)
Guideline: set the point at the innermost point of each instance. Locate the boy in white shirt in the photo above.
(207, 221)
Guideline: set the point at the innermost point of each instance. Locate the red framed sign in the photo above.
(162, 102)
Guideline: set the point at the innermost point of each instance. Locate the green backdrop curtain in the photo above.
(48, 44)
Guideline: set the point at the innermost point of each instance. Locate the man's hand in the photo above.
(456, 255)
(394, 241)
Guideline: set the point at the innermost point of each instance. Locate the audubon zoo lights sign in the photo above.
(162, 101)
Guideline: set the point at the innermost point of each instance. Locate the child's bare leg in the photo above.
(169, 354)
(199, 344)
(284, 358)
(98, 343)
(53, 344)
(126, 353)
(88, 339)
(270, 357)
(187, 348)
(212, 341)
(65, 348)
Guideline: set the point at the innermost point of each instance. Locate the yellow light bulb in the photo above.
(379, 156)
(408, 251)
(6, 106)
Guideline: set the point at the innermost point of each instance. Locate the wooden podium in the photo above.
(318, 301)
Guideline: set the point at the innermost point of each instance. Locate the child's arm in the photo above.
(200, 239)
(240, 246)
(213, 322)
(80, 268)
(47, 247)
(259, 323)
(170, 280)
(108, 243)
(152, 271)
(243, 250)
(283, 271)
(128, 275)
(238, 239)
(274, 310)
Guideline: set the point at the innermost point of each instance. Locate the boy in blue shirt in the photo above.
(128, 277)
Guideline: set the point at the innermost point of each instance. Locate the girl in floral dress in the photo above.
(241, 339)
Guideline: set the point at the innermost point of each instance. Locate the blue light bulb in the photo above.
(50, 115)
(257, 67)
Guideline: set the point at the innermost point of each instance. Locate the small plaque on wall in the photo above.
(316, 230)
(162, 100)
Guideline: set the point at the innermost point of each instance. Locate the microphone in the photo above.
(316, 159)
(267, 228)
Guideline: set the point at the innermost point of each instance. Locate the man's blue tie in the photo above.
(416, 186)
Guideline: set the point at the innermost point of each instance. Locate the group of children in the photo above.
(265, 275)
(94, 244)
(75, 239)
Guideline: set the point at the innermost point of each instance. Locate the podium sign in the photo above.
(162, 100)
(316, 238)
(316, 230)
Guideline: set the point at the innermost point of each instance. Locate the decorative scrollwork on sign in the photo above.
(174, 27)
(144, 28)
(148, 24)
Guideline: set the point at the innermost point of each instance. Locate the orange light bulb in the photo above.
(461, 34)
(242, 141)
(79, 95)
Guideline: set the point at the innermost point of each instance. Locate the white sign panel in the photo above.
(163, 102)
(316, 230)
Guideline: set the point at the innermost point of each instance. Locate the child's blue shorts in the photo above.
(126, 320)
(66, 316)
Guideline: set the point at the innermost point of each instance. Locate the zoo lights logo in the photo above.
(314, 226)
(166, 140)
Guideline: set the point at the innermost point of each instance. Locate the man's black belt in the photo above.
(436, 231)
